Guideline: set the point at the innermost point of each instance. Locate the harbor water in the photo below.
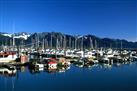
(98, 77)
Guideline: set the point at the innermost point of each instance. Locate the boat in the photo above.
(6, 57)
(133, 55)
(79, 63)
(52, 65)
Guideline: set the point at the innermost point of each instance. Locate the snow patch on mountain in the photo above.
(22, 35)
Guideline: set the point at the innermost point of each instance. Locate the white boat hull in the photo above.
(8, 59)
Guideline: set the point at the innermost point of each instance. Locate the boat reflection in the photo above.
(21, 68)
(82, 64)
(91, 66)
(12, 71)
(49, 69)
(8, 71)
(58, 70)
(106, 66)
(35, 70)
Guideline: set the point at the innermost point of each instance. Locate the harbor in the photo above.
(67, 56)
(68, 69)
(70, 65)
(68, 45)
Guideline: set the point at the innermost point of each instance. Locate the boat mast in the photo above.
(75, 42)
(1, 26)
(121, 45)
(38, 41)
(32, 41)
(95, 44)
(57, 44)
(46, 43)
(70, 42)
(82, 44)
(60, 46)
(64, 42)
(43, 45)
(13, 39)
(91, 43)
(51, 41)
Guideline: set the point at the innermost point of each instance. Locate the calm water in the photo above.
(118, 77)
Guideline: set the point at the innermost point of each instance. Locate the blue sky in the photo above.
(103, 18)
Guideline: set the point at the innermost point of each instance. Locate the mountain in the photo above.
(69, 41)
(22, 35)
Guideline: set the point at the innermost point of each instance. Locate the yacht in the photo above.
(6, 57)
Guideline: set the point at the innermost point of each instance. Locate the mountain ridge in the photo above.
(28, 38)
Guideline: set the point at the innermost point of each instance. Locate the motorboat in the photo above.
(6, 57)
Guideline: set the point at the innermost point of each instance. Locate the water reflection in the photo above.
(8, 71)
(48, 70)
(87, 76)
(103, 65)
(12, 71)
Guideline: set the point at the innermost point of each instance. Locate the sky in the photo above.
(103, 18)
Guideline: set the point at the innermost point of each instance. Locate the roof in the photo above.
(52, 63)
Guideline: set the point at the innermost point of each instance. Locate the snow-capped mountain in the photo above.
(34, 37)
(22, 35)
(6, 34)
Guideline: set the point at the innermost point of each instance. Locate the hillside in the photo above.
(89, 41)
